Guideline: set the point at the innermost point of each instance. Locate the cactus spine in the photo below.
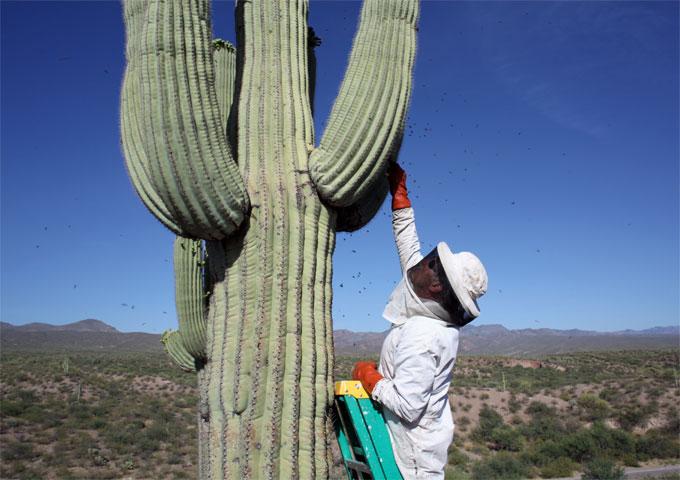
(245, 177)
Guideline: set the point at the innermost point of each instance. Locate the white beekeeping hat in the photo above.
(467, 276)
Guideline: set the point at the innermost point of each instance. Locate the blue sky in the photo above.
(543, 136)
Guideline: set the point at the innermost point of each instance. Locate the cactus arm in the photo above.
(132, 126)
(357, 215)
(169, 89)
(367, 119)
(224, 58)
(189, 295)
(174, 346)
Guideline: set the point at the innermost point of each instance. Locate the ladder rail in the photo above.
(362, 435)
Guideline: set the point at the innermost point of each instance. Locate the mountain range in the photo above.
(91, 334)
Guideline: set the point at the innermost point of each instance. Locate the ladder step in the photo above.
(358, 450)
(357, 466)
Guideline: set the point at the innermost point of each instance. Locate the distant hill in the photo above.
(85, 335)
(93, 334)
(498, 340)
(88, 325)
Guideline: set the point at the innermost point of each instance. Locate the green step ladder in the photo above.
(362, 434)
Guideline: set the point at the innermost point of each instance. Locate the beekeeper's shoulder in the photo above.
(423, 330)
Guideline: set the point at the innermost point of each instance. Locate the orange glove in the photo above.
(367, 374)
(397, 179)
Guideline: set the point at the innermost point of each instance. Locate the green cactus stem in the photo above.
(244, 176)
(174, 346)
(190, 296)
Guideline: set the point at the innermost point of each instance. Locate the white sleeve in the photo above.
(406, 237)
(408, 393)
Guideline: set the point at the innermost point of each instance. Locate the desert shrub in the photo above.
(502, 466)
(174, 458)
(631, 416)
(36, 414)
(146, 445)
(538, 408)
(672, 426)
(484, 396)
(513, 404)
(579, 446)
(630, 460)
(656, 445)
(602, 469)
(455, 473)
(27, 396)
(560, 467)
(122, 437)
(456, 457)
(543, 428)
(544, 423)
(593, 408)
(616, 443)
(506, 438)
(13, 450)
(11, 409)
(655, 392)
(611, 395)
(489, 420)
(543, 453)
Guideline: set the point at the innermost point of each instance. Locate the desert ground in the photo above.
(132, 415)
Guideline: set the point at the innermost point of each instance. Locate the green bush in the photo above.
(602, 469)
(656, 445)
(502, 466)
(561, 467)
(13, 450)
(544, 423)
(579, 446)
(12, 409)
(593, 408)
(513, 404)
(456, 457)
(631, 416)
(611, 395)
(455, 473)
(672, 426)
(537, 408)
(543, 453)
(615, 443)
(507, 438)
(489, 420)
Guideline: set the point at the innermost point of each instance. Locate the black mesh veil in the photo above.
(447, 299)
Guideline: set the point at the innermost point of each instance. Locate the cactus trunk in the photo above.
(269, 322)
(219, 145)
(270, 351)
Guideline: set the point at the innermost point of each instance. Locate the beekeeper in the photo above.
(436, 296)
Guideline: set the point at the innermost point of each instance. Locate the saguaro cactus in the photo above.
(245, 176)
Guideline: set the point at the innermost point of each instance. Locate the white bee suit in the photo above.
(416, 361)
